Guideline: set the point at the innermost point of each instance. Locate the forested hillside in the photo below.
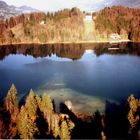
(117, 19)
(62, 26)
(69, 25)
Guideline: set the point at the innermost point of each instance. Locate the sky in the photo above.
(54, 5)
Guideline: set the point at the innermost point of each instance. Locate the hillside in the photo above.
(62, 26)
(69, 25)
(121, 20)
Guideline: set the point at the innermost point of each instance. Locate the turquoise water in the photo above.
(88, 75)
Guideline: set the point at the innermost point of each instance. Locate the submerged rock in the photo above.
(69, 105)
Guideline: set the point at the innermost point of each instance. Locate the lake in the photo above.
(87, 74)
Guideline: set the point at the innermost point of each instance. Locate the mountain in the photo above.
(128, 3)
(109, 3)
(27, 9)
(6, 11)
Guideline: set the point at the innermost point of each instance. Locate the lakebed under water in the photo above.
(87, 74)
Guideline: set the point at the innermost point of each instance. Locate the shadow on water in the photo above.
(113, 123)
(41, 125)
(83, 129)
(116, 120)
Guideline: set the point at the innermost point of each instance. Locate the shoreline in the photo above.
(76, 42)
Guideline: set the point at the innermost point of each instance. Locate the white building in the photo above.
(115, 36)
(42, 22)
(88, 18)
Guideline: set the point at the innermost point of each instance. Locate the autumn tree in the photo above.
(11, 102)
(38, 100)
(64, 132)
(117, 18)
(71, 125)
(133, 103)
(36, 110)
(133, 114)
(12, 22)
(55, 126)
(31, 104)
(26, 126)
(2, 27)
(47, 109)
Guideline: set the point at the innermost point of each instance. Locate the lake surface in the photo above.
(87, 74)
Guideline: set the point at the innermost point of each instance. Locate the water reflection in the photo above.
(65, 51)
(123, 48)
(71, 51)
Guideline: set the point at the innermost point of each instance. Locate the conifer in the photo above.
(31, 104)
(47, 109)
(11, 102)
(64, 134)
(26, 126)
(38, 100)
(56, 127)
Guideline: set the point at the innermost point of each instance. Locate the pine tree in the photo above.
(11, 102)
(47, 103)
(133, 103)
(26, 126)
(38, 100)
(71, 125)
(31, 104)
(47, 109)
(133, 110)
(56, 128)
(64, 133)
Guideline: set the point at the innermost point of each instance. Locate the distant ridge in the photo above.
(128, 3)
(25, 8)
(6, 11)
(107, 3)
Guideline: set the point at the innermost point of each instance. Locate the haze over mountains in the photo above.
(7, 11)
(129, 3)
(108, 3)
(84, 5)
